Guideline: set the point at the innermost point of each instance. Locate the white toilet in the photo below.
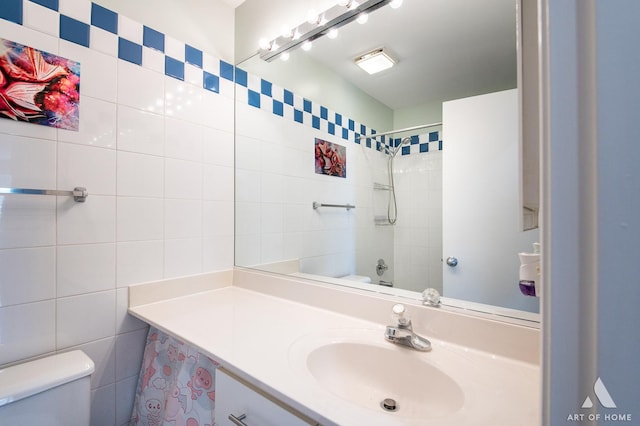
(52, 391)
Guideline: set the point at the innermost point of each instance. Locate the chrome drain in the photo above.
(389, 404)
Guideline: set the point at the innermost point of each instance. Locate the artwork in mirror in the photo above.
(396, 180)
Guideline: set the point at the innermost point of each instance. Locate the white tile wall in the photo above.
(28, 275)
(85, 318)
(65, 266)
(16, 151)
(85, 269)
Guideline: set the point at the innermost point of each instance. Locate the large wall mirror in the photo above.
(438, 205)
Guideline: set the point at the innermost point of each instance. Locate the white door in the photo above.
(481, 202)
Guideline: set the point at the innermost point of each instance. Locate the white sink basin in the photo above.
(360, 367)
(366, 374)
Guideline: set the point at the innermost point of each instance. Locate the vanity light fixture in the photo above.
(375, 61)
(318, 25)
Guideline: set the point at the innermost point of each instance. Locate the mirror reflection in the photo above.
(397, 181)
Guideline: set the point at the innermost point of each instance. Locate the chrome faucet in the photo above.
(402, 333)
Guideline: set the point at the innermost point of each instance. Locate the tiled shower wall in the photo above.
(156, 155)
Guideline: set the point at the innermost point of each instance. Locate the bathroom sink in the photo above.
(361, 368)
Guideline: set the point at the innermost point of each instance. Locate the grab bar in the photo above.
(317, 205)
(79, 193)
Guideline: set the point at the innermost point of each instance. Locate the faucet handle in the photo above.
(400, 314)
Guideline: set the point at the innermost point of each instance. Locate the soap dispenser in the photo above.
(530, 272)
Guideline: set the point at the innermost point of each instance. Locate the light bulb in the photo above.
(306, 46)
(342, 3)
(333, 33)
(353, 4)
(264, 44)
(395, 4)
(284, 56)
(362, 18)
(274, 46)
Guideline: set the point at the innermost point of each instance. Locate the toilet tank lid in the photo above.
(29, 378)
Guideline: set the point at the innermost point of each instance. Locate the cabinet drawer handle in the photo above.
(238, 421)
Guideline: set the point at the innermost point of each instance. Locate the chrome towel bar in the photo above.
(79, 193)
(317, 205)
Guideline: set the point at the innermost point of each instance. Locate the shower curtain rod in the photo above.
(390, 132)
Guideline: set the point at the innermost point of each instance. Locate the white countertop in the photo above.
(252, 334)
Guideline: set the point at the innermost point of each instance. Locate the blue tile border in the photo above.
(193, 56)
(11, 10)
(129, 51)
(153, 39)
(174, 68)
(262, 94)
(104, 18)
(74, 31)
(211, 82)
(49, 4)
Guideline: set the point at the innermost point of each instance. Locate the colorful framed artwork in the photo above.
(38, 87)
(331, 159)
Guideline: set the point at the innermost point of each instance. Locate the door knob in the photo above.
(452, 261)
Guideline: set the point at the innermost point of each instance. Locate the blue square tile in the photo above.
(193, 56)
(50, 4)
(265, 87)
(352, 125)
(324, 113)
(288, 97)
(129, 51)
(242, 78)
(378, 146)
(415, 139)
(368, 142)
(226, 70)
(153, 39)
(298, 115)
(338, 119)
(424, 147)
(315, 122)
(433, 136)
(332, 129)
(211, 82)
(363, 129)
(406, 150)
(439, 145)
(173, 68)
(278, 108)
(345, 133)
(74, 31)
(254, 99)
(11, 10)
(104, 18)
(306, 105)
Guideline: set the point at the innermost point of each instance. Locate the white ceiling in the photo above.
(446, 49)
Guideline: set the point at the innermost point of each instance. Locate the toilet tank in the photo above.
(51, 391)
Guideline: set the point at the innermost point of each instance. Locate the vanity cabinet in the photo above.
(239, 403)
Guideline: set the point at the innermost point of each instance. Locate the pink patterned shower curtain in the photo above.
(176, 386)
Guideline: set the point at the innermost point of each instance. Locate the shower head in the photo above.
(403, 142)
